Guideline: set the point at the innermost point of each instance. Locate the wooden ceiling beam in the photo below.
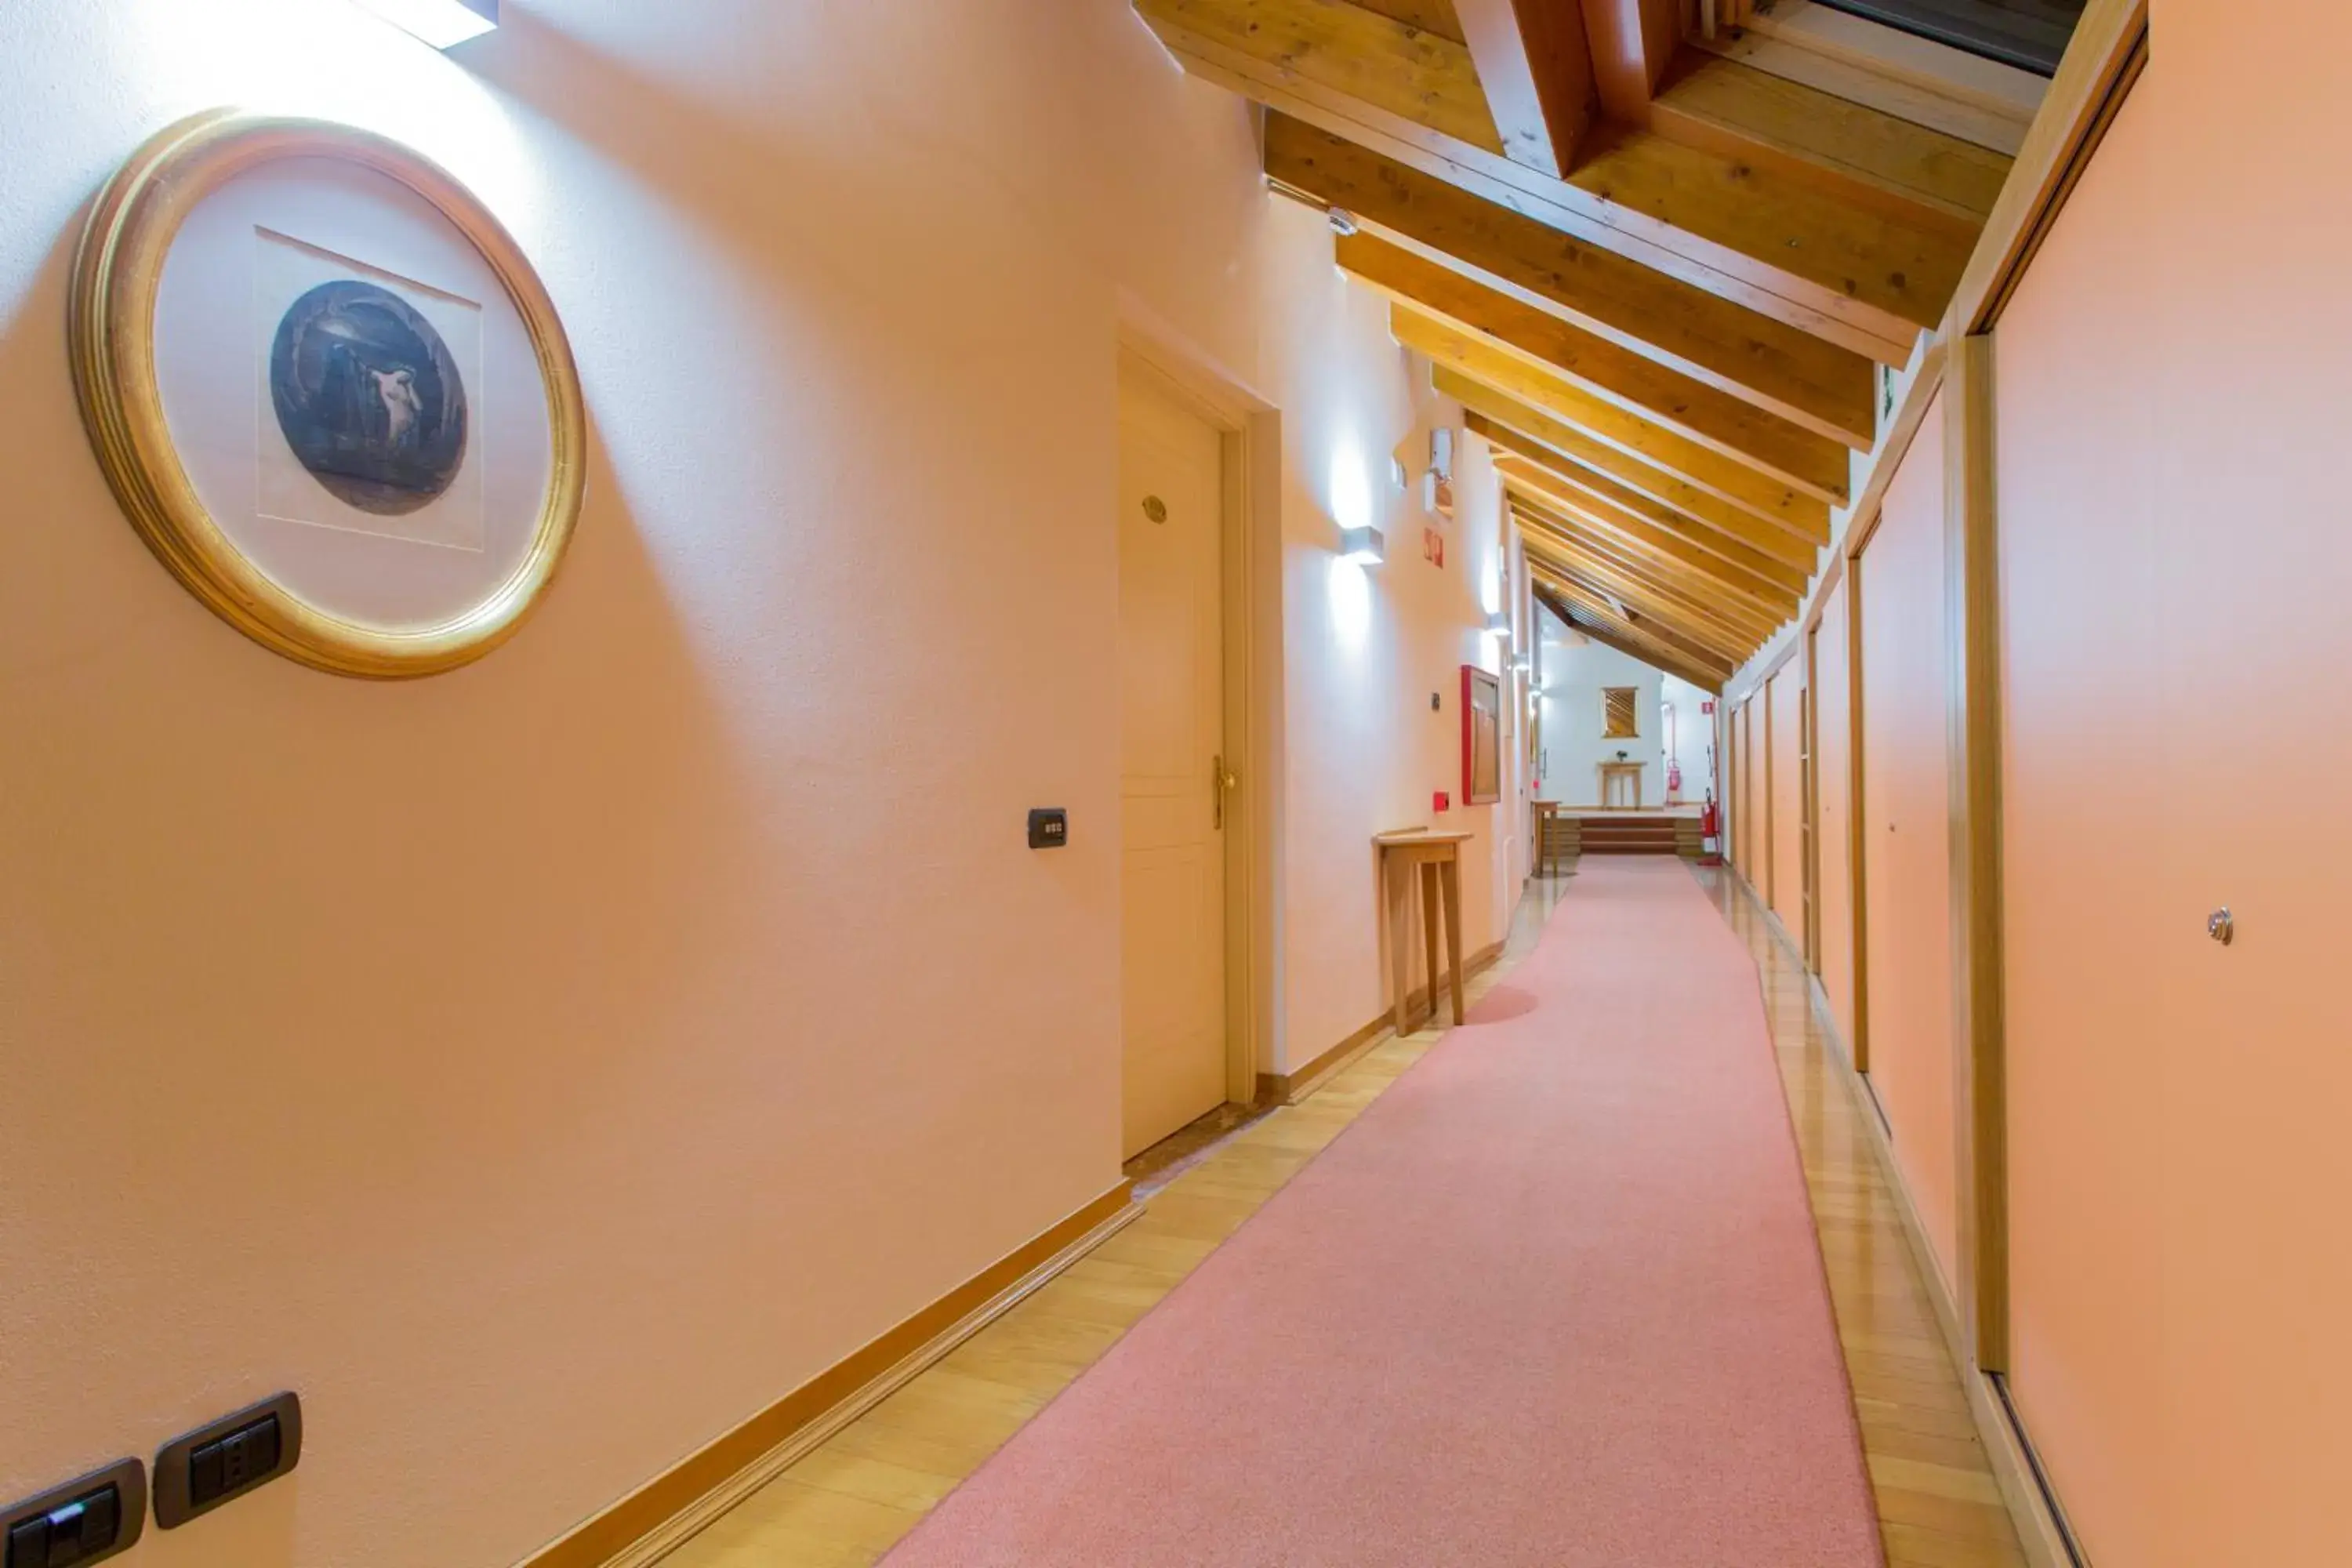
(1699, 595)
(1585, 624)
(1804, 467)
(1730, 603)
(1731, 588)
(1806, 516)
(1732, 633)
(1642, 302)
(1748, 569)
(1536, 68)
(1590, 613)
(1634, 41)
(1802, 451)
(1666, 644)
(1350, 51)
(1856, 153)
(1517, 453)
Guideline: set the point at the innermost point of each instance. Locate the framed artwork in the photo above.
(329, 392)
(1620, 712)
(1481, 737)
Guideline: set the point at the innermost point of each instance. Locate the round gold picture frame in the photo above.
(111, 333)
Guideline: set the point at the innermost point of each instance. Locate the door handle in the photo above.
(1221, 779)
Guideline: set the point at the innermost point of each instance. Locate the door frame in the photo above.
(1249, 429)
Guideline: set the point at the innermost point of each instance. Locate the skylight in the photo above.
(2029, 34)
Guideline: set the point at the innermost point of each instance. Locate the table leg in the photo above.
(1429, 923)
(1453, 869)
(1398, 878)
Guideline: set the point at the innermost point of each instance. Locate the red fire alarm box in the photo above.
(1441, 800)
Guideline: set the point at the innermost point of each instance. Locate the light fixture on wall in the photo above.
(440, 23)
(1343, 221)
(1362, 546)
(1498, 624)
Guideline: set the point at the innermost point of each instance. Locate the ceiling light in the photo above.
(1362, 546)
(1343, 221)
(440, 23)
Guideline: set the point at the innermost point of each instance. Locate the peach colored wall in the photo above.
(547, 1066)
(1907, 907)
(1833, 770)
(1787, 695)
(2170, 381)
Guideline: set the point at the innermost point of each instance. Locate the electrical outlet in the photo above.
(218, 1464)
(83, 1522)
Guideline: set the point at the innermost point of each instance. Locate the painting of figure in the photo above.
(368, 397)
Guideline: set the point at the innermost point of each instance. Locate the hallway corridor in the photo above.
(1555, 1296)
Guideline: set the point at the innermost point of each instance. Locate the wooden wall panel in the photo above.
(1786, 693)
(2074, 365)
(2170, 375)
(1832, 764)
(1907, 904)
(1751, 862)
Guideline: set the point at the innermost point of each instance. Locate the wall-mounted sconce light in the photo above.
(1498, 624)
(1362, 546)
(1343, 221)
(440, 23)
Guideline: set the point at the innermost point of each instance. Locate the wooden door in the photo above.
(1906, 833)
(1833, 812)
(2169, 464)
(1172, 684)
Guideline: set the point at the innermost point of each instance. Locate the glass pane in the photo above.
(2029, 34)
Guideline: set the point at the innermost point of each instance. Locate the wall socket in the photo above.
(218, 1464)
(86, 1520)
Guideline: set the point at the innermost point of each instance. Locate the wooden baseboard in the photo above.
(1288, 1088)
(651, 1522)
(2044, 1540)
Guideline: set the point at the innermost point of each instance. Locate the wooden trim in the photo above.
(1289, 1089)
(2039, 1531)
(1972, 623)
(1771, 839)
(652, 1520)
(1250, 444)
(1809, 700)
(1909, 415)
(2108, 52)
(1857, 841)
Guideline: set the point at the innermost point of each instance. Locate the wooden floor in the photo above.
(1938, 1506)
(847, 1502)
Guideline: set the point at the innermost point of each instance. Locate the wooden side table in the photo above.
(1434, 860)
(1547, 811)
(1611, 773)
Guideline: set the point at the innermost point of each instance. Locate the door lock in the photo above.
(2222, 925)
(1221, 779)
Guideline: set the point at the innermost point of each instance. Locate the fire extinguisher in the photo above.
(1673, 780)
(1707, 817)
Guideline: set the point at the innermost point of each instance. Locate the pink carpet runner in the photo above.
(1554, 1298)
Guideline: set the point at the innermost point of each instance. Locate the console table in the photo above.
(1434, 859)
(1614, 773)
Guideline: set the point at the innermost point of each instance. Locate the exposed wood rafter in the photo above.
(1537, 67)
(1638, 382)
(1751, 571)
(1788, 466)
(1350, 50)
(1777, 366)
(1703, 518)
(1807, 517)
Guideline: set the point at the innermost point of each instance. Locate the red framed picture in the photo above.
(1481, 737)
